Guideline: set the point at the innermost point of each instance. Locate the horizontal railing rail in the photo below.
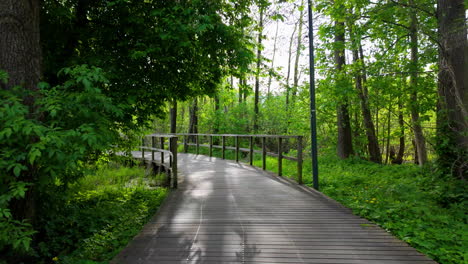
(236, 147)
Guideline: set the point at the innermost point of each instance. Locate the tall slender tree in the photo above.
(345, 143)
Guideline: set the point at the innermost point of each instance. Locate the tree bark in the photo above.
(193, 121)
(173, 116)
(452, 115)
(272, 66)
(361, 88)
(288, 75)
(20, 53)
(345, 143)
(259, 64)
(20, 58)
(401, 149)
(298, 52)
(413, 104)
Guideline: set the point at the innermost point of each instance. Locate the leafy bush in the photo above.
(49, 143)
(94, 220)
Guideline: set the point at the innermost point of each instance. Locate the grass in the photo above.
(98, 215)
(417, 205)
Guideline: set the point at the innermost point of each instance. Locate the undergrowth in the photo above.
(419, 206)
(96, 217)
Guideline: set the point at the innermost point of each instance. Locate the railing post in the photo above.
(198, 144)
(162, 147)
(264, 153)
(280, 157)
(211, 145)
(173, 149)
(224, 148)
(299, 159)
(251, 152)
(237, 148)
(142, 149)
(153, 145)
(185, 144)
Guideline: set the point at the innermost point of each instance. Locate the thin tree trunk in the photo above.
(272, 66)
(259, 64)
(387, 150)
(414, 105)
(298, 53)
(361, 88)
(345, 143)
(452, 115)
(401, 123)
(217, 107)
(240, 87)
(288, 75)
(193, 121)
(173, 116)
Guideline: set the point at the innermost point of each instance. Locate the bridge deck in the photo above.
(225, 212)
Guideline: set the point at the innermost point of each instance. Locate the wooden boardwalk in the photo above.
(226, 212)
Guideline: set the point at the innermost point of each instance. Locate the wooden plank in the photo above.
(224, 212)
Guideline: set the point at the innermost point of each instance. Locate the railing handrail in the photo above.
(236, 148)
(225, 135)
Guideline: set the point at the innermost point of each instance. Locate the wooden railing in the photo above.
(158, 143)
(211, 139)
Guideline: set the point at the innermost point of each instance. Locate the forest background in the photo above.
(77, 75)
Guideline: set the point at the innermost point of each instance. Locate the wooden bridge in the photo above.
(229, 212)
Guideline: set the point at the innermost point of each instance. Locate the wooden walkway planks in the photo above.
(226, 212)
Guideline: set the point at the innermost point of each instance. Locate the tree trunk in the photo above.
(345, 143)
(401, 123)
(259, 64)
(173, 116)
(298, 52)
(361, 88)
(387, 150)
(20, 58)
(193, 121)
(272, 66)
(414, 105)
(452, 115)
(288, 75)
(20, 54)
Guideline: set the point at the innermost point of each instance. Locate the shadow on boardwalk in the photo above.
(225, 212)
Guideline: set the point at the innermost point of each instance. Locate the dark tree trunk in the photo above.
(20, 54)
(372, 141)
(173, 116)
(387, 149)
(452, 115)
(345, 143)
(401, 149)
(193, 121)
(413, 104)
(20, 57)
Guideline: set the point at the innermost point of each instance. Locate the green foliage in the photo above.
(151, 51)
(423, 209)
(50, 142)
(97, 216)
